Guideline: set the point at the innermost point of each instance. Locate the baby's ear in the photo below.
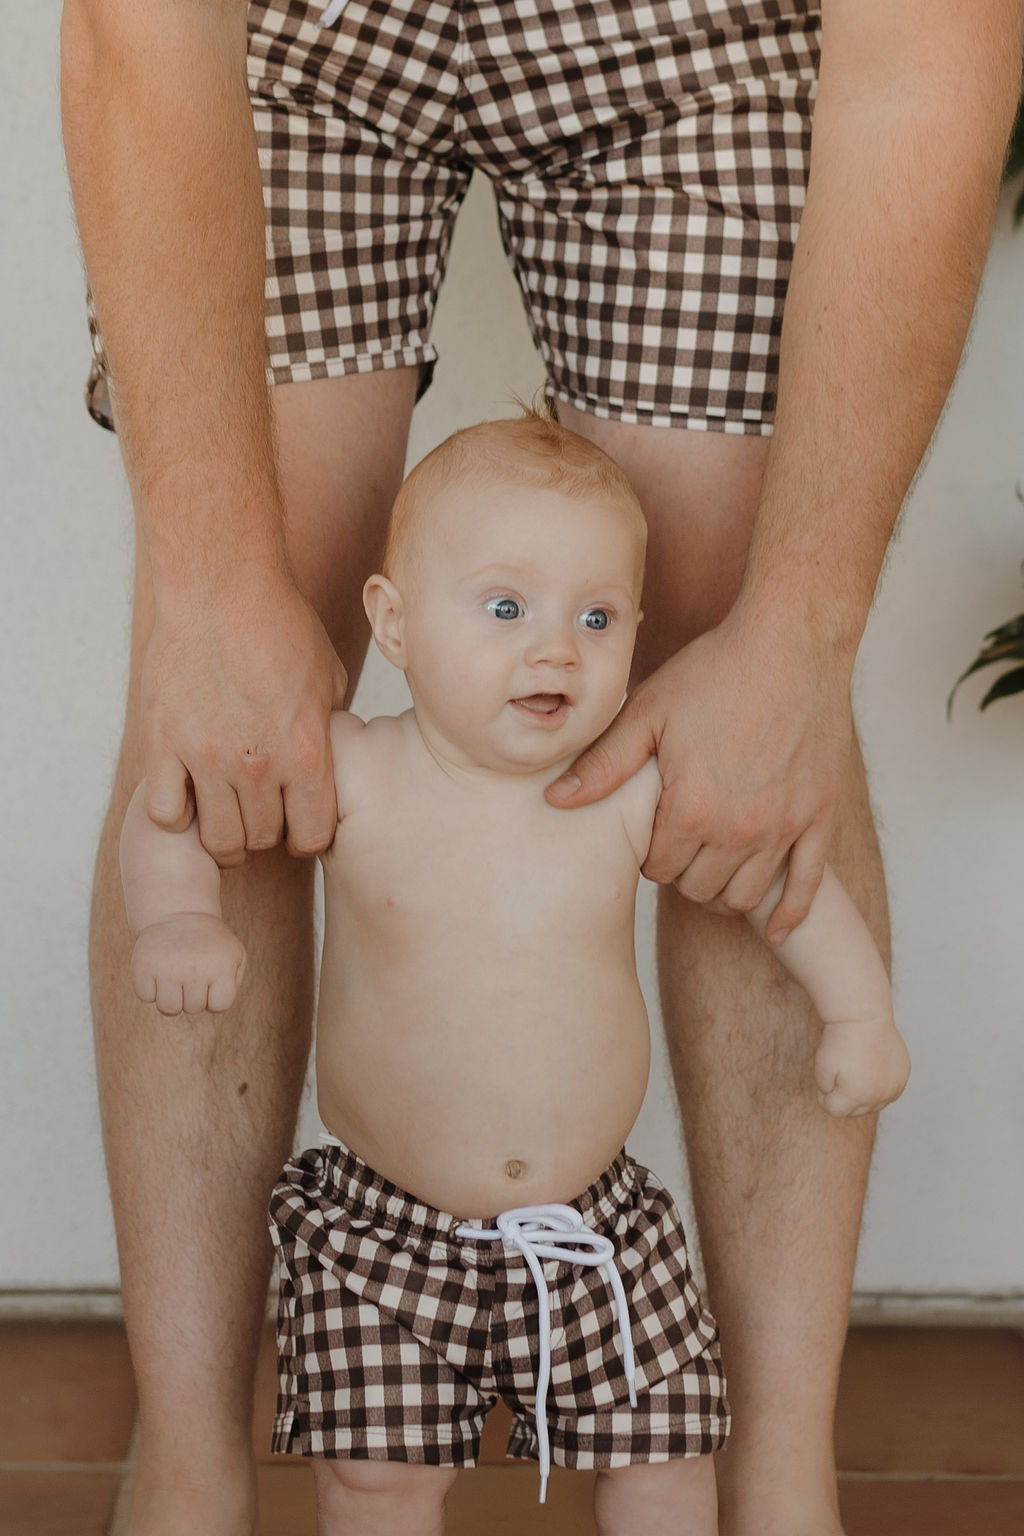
(383, 603)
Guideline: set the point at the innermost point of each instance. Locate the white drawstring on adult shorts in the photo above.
(331, 14)
(528, 1228)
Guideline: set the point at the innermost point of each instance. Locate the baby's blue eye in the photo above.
(596, 618)
(504, 608)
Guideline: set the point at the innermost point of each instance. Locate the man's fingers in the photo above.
(264, 822)
(168, 801)
(311, 817)
(676, 840)
(806, 867)
(221, 829)
(727, 883)
(751, 882)
(706, 875)
(260, 804)
(622, 751)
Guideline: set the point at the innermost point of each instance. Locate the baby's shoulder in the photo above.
(364, 751)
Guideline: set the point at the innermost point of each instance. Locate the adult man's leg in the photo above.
(778, 1185)
(199, 1112)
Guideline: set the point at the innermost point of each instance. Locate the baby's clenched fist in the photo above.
(860, 1066)
(188, 963)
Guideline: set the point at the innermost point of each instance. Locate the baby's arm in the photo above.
(862, 1062)
(186, 959)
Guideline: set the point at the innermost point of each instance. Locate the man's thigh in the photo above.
(699, 491)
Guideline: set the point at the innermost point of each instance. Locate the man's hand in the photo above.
(752, 730)
(237, 693)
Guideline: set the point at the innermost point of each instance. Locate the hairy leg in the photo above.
(380, 1498)
(667, 1498)
(198, 1113)
(778, 1185)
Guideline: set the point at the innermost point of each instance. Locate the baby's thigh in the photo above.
(380, 1496)
(675, 1496)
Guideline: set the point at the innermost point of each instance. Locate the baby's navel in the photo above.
(514, 1169)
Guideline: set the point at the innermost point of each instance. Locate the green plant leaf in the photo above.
(1015, 149)
(1006, 639)
(1015, 161)
(1010, 682)
(1005, 643)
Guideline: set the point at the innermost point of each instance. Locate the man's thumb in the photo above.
(610, 761)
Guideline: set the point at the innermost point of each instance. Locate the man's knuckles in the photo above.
(254, 765)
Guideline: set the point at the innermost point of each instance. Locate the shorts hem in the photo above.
(305, 372)
(291, 1437)
(683, 418)
(703, 1436)
(439, 1453)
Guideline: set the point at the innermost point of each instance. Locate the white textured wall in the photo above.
(946, 1209)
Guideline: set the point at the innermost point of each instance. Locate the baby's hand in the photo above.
(188, 963)
(860, 1066)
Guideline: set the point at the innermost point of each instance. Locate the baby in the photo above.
(482, 1042)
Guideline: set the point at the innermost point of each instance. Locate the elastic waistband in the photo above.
(354, 1184)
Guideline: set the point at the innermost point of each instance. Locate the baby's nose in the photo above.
(556, 645)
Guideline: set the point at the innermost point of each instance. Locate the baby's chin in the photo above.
(533, 741)
(543, 760)
(540, 752)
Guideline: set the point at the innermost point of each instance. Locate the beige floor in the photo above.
(930, 1439)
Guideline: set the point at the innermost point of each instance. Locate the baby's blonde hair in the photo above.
(533, 449)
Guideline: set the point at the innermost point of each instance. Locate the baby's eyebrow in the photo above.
(497, 569)
(617, 589)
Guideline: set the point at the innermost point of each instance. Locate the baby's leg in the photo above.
(380, 1498)
(664, 1498)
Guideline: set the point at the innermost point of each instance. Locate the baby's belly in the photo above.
(496, 1108)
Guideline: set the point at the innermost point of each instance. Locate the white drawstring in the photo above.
(525, 1228)
(332, 13)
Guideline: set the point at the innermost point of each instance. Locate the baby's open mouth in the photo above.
(547, 707)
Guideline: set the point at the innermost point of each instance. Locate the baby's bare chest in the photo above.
(498, 872)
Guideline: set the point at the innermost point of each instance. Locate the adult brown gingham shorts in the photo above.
(649, 160)
(396, 1337)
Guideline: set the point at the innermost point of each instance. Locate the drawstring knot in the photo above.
(556, 1232)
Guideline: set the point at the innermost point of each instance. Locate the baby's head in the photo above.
(510, 593)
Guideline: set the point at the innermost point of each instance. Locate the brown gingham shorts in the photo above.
(395, 1337)
(649, 160)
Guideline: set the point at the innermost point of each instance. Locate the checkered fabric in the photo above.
(649, 160)
(396, 1337)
